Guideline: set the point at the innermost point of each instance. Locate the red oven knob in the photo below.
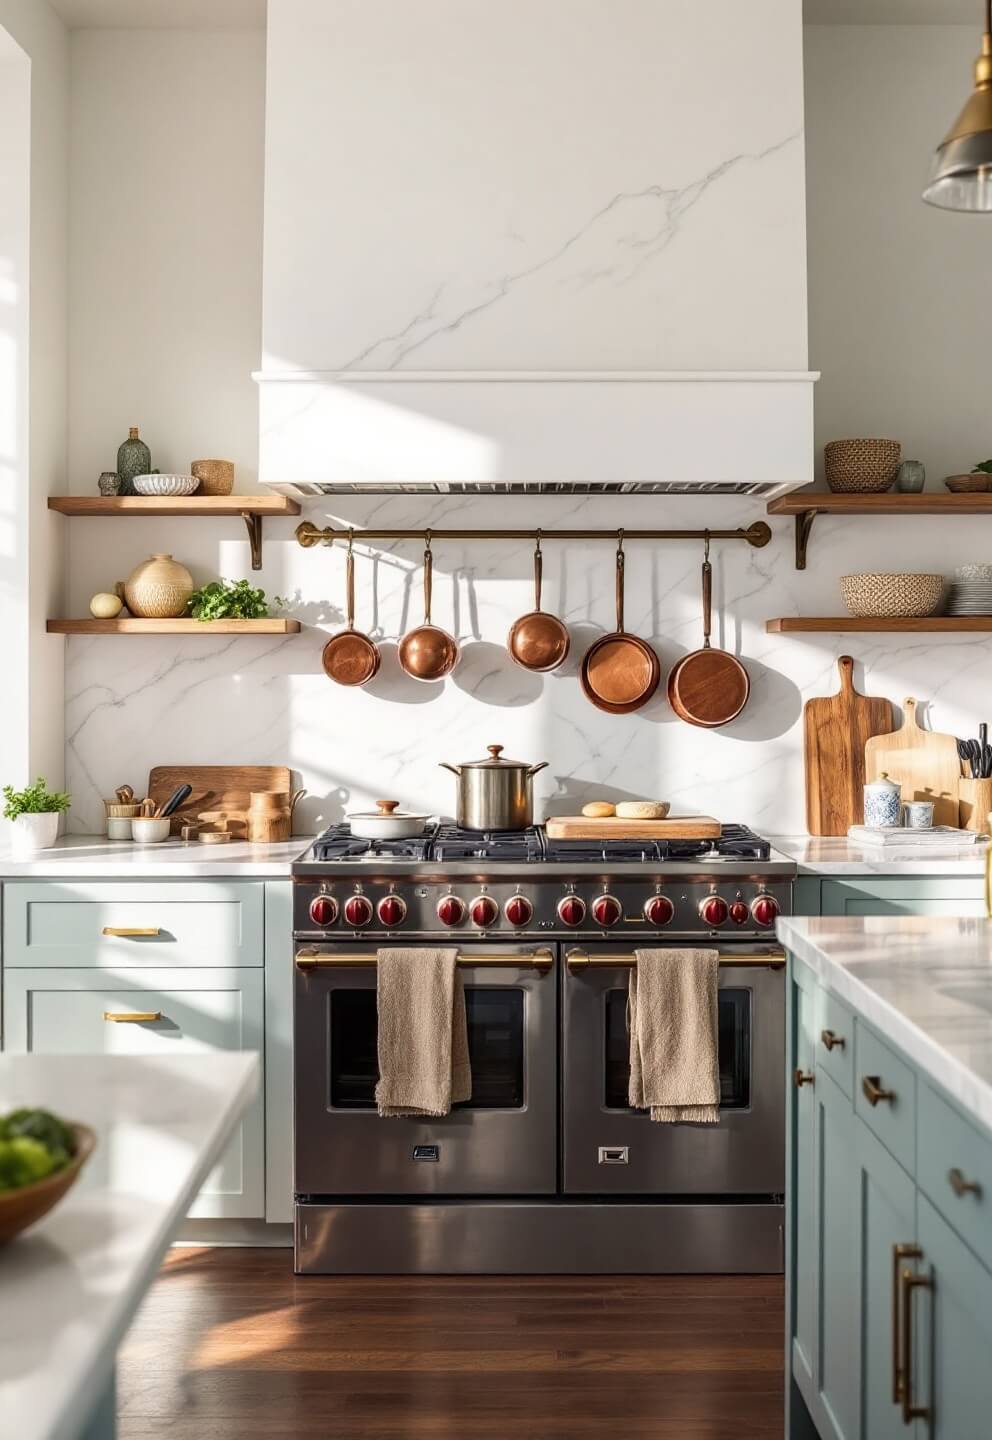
(323, 910)
(391, 910)
(713, 910)
(571, 910)
(358, 911)
(739, 913)
(658, 910)
(764, 908)
(483, 911)
(606, 910)
(518, 911)
(450, 910)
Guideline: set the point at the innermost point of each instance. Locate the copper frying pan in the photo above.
(708, 687)
(538, 641)
(619, 672)
(427, 652)
(349, 657)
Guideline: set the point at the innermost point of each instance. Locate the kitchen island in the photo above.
(889, 1177)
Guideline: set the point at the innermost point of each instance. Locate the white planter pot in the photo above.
(31, 833)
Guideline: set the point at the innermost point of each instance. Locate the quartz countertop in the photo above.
(924, 982)
(94, 857)
(829, 855)
(70, 1285)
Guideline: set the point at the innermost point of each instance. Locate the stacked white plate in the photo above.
(971, 592)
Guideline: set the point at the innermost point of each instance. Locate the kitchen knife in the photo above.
(181, 793)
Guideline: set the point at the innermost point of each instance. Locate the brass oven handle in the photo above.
(131, 932)
(871, 1086)
(911, 1282)
(577, 960)
(832, 1041)
(961, 1186)
(313, 960)
(899, 1252)
(131, 1017)
(803, 1077)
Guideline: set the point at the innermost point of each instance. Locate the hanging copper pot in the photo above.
(349, 657)
(620, 672)
(428, 652)
(538, 641)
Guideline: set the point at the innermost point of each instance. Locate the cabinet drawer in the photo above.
(835, 1041)
(893, 1116)
(949, 1147)
(68, 925)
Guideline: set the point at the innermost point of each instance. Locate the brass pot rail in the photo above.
(579, 960)
(360, 960)
(308, 534)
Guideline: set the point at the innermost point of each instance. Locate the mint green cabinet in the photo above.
(802, 1173)
(951, 1312)
(836, 1269)
(902, 895)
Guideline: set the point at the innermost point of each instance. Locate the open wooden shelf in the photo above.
(805, 505)
(252, 509)
(947, 624)
(132, 626)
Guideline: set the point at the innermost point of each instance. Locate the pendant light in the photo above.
(961, 177)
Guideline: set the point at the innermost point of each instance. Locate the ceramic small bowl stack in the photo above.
(165, 484)
(119, 818)
(971, 592)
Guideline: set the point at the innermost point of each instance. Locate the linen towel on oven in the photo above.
(672, 1019)
(423, 1035)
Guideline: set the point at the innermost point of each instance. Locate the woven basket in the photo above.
(121, 812)
(892, 596)
(968, 484)
(861, 464)
(216, 477)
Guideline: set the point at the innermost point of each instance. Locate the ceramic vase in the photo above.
(159, 589)
(133, 458)
(31, 833)
(883, 803)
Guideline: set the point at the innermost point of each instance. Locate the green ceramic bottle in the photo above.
(133, 458)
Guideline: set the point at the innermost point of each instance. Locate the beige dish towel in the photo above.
(672, 1018)
(423, 1036)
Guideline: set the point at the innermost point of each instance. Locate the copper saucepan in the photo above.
(538, 641)
(428, 652)
(620, 672)
(349, 657)
(708, 687)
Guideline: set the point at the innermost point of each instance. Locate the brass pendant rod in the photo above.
(308, 534)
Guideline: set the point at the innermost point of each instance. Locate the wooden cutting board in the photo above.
(924, 762)
(612, 827)
(836, 729)
(218, 789)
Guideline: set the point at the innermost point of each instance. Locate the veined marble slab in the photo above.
(91, 857)
(828, 855)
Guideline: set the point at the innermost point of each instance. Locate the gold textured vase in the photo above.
(159, 589)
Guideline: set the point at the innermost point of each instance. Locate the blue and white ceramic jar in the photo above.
(883, 803)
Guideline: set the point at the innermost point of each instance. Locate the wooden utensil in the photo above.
(612, 827)
(619, 672)
(350, 657)
(708, 687)
(428, 652)
(974, 805)
(923, 762)
(538, 641)
(270, 815)
(225, 788)
(835, 730)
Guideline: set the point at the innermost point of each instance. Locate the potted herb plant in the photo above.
(34, 816)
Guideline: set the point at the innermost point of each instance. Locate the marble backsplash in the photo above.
(134, 703)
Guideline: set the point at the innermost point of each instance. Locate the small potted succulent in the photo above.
(34, 816)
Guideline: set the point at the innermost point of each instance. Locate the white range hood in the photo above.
(499, 262)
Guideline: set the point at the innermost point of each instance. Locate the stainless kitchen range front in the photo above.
(546, 1168)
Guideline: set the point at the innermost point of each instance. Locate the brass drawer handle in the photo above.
(832, 1041)
(961, 1186)
(132, 932)
(911, 1282)
(132, 1017)
(899, 1252)
(803, 1077)
(873, 1092)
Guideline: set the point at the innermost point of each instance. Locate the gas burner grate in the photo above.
(338, 843)
(452, 843)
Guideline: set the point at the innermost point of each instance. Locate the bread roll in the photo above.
(598, 809)
(642, 809)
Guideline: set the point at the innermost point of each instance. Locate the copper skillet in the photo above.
(428, 652)
(349, 657)
(538, 641)
(620, 672)
(708, 687)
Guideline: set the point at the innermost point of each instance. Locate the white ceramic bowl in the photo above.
(165, 484)
(973, 572)
(150, 829)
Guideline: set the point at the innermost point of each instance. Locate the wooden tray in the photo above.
(217, 789)
(612, 827)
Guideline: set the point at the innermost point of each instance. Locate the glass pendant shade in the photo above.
(961, 173)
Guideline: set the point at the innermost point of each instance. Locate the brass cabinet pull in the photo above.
(961, 1186)
(911, 1282)
(313, 960)
(832, 1041)
(899, 1253)
(131, 1017)
(132, 932)
(803, 1077)
(873, 1091)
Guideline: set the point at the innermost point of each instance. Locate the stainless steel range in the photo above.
(546, 1169)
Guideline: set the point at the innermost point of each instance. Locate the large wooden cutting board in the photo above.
(836, 729)
(612, 827)
(216, 788)
(924, 762)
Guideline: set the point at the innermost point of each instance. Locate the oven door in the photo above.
(610, 1149)
(502, 1141)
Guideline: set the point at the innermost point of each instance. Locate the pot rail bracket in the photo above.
(308, 535)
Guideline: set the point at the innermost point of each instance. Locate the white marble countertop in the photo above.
(924, 982)
(95, 857)
(817, 855)
(70, 1286)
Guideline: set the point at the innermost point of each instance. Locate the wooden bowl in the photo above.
(968, 484)
(21, 1208)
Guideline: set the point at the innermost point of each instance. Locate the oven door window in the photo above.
(734, 1028)
(495, 1017)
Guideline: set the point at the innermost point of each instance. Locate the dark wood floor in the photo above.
(230, 1345)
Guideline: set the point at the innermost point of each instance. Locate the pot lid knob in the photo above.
(495, 751)
(386, 807)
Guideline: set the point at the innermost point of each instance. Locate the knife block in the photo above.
(974, 804)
